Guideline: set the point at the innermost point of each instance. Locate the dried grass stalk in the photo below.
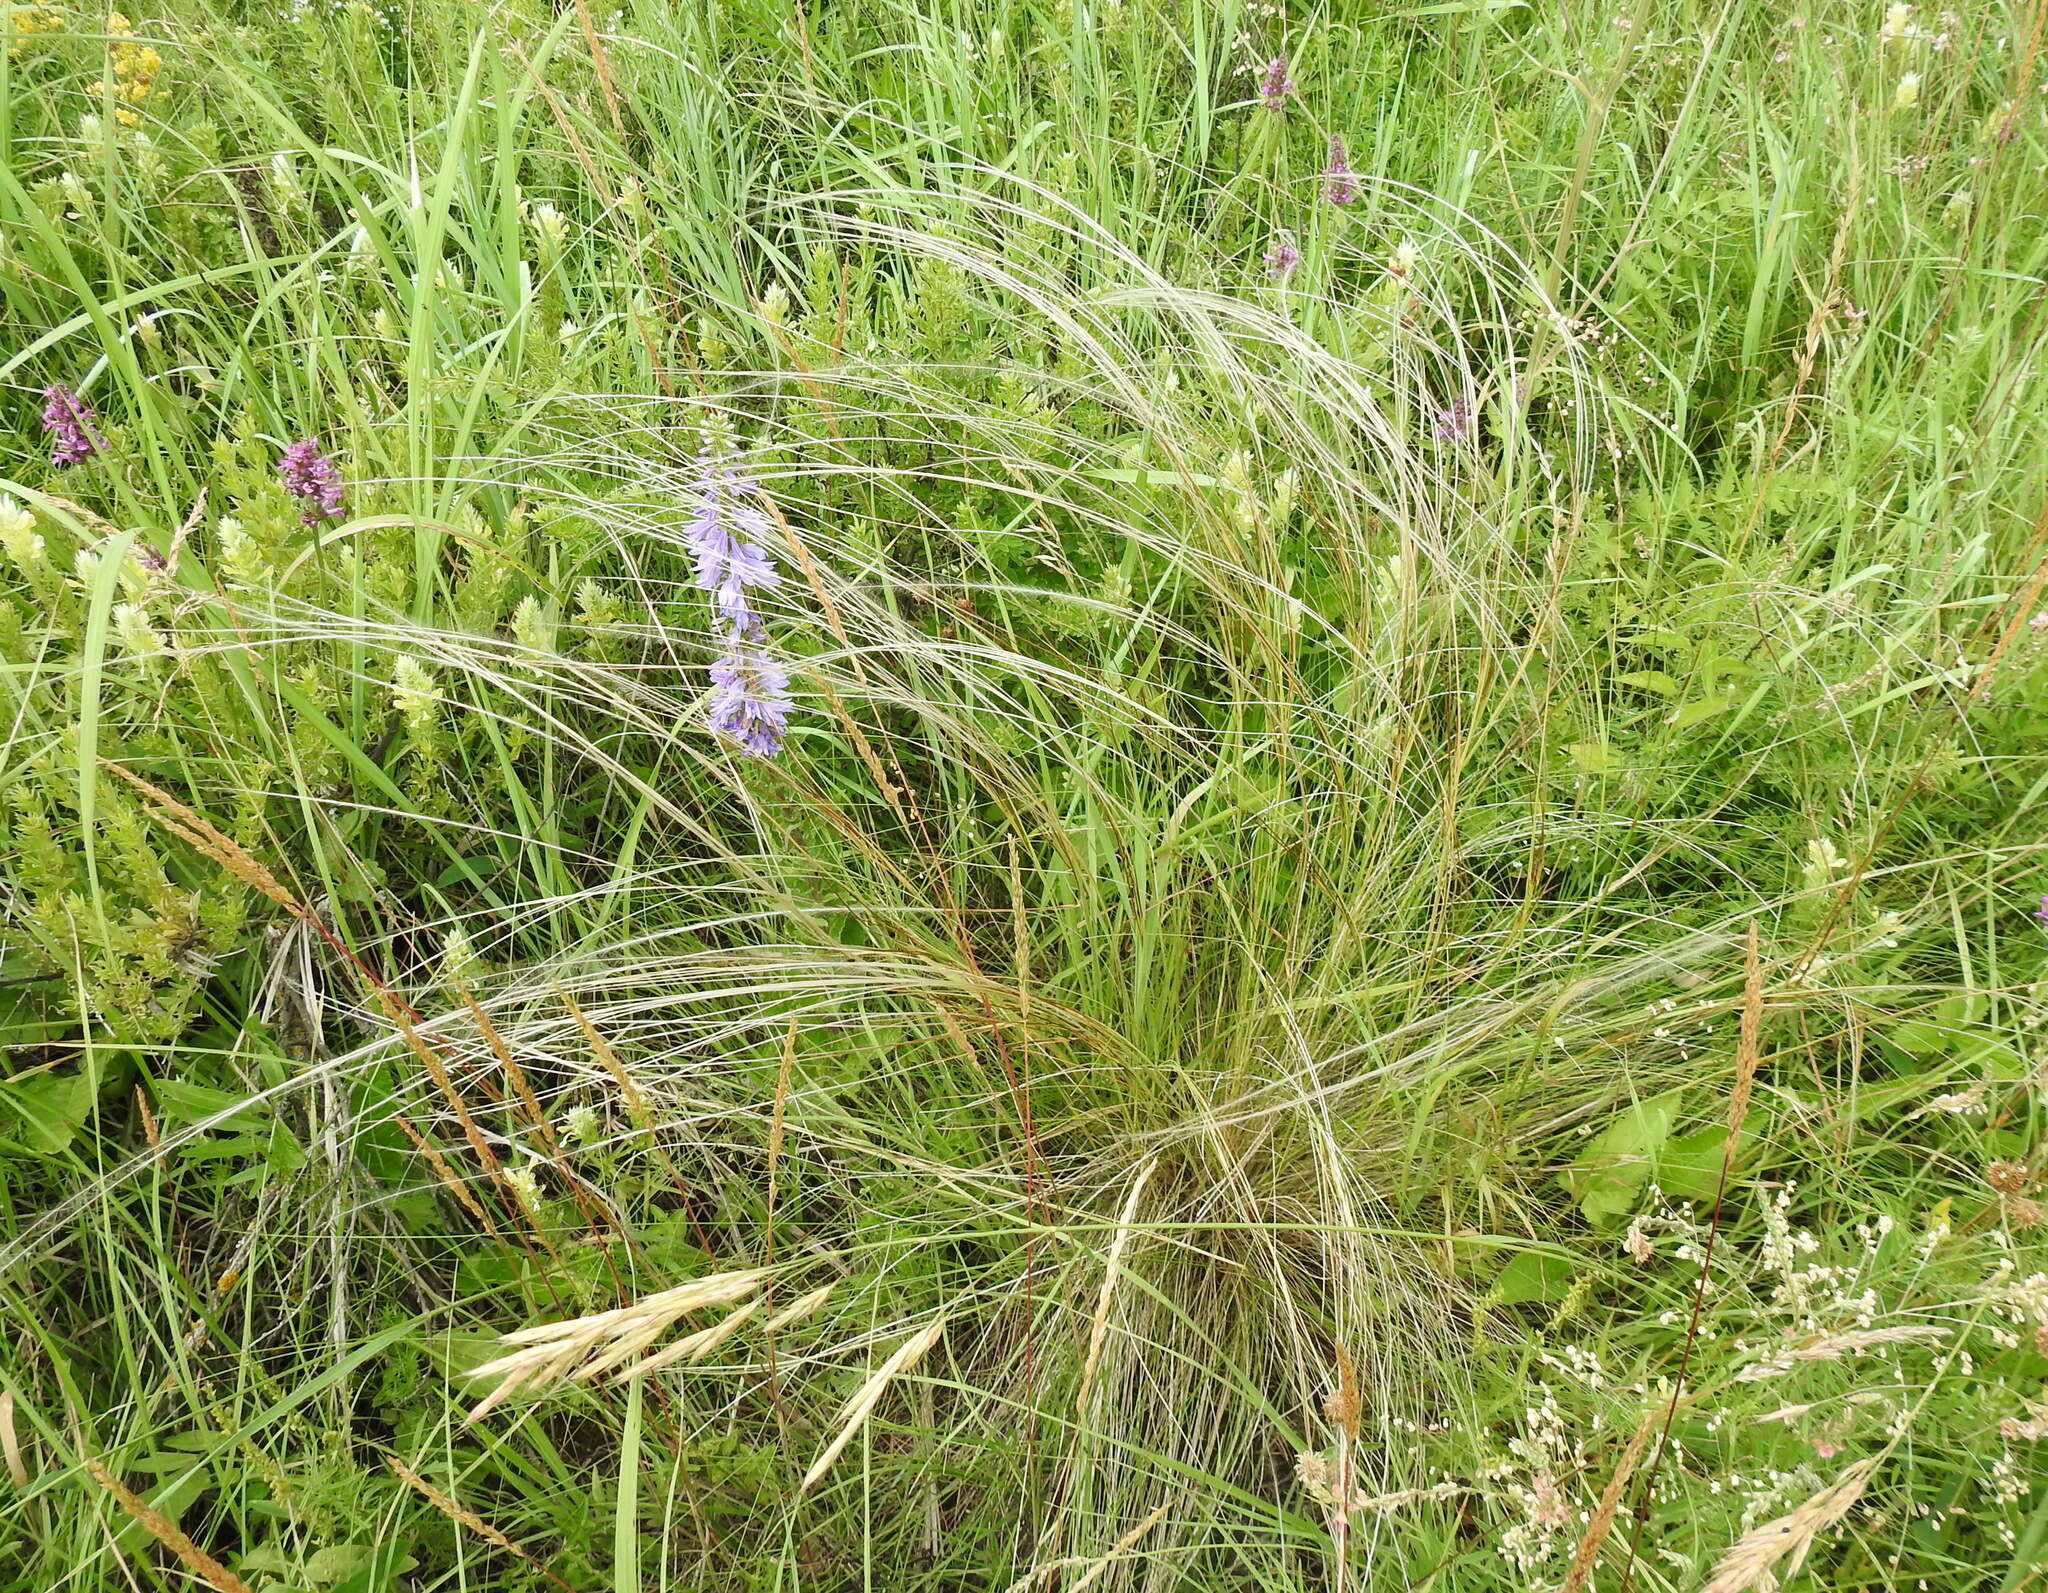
(10, 1441)
(1096, 1568)
(586, 1347)
(1602, 1523)
(167, 1532)
(197, 833)
(1839, 1346)
(1760, 1557)
(468, 1518)
(863, 1403)
(1098, 1332)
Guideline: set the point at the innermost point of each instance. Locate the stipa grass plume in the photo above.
(1276, 1114)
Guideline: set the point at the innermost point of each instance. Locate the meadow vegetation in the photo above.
(1024, 794)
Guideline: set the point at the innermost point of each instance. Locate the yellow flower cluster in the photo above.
(24, 22)
(135, 68)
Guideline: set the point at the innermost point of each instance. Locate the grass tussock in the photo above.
(1106, 795)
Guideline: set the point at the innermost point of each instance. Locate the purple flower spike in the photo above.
(1274, 84)
(1343, 186)
(68, 422)
(729, 563)
(2041, 912)
(1454, 424)
(749, 688)
(1281, 260)
(310, 476)
(750, 699)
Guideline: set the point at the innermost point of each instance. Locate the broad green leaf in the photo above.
(1690, 1168)
(1533, 1276)
(338, 1561)
(1594, 757)
(46, 1110)
(1700, 711)
(1608, 1177)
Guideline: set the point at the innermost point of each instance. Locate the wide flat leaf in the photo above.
(1608, 1177)
(42, 1113)
(1533, 1277)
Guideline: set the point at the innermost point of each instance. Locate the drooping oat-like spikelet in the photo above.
(696, 1345)
(587, 1347)
(797, 1309)
(1777, 1548)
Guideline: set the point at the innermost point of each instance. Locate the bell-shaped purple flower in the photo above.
(750, 699)
(730, 564)
(310, 476)
(68, 422)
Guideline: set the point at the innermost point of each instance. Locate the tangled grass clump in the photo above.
(1016, 813)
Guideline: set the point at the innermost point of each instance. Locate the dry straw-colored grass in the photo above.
(853, 1416)
(167, 1532)
(587, 1347)
(468, 1518)
(1763, 1556)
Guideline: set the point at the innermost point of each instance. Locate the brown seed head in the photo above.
(2008, 1178)
(1342, 1407)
